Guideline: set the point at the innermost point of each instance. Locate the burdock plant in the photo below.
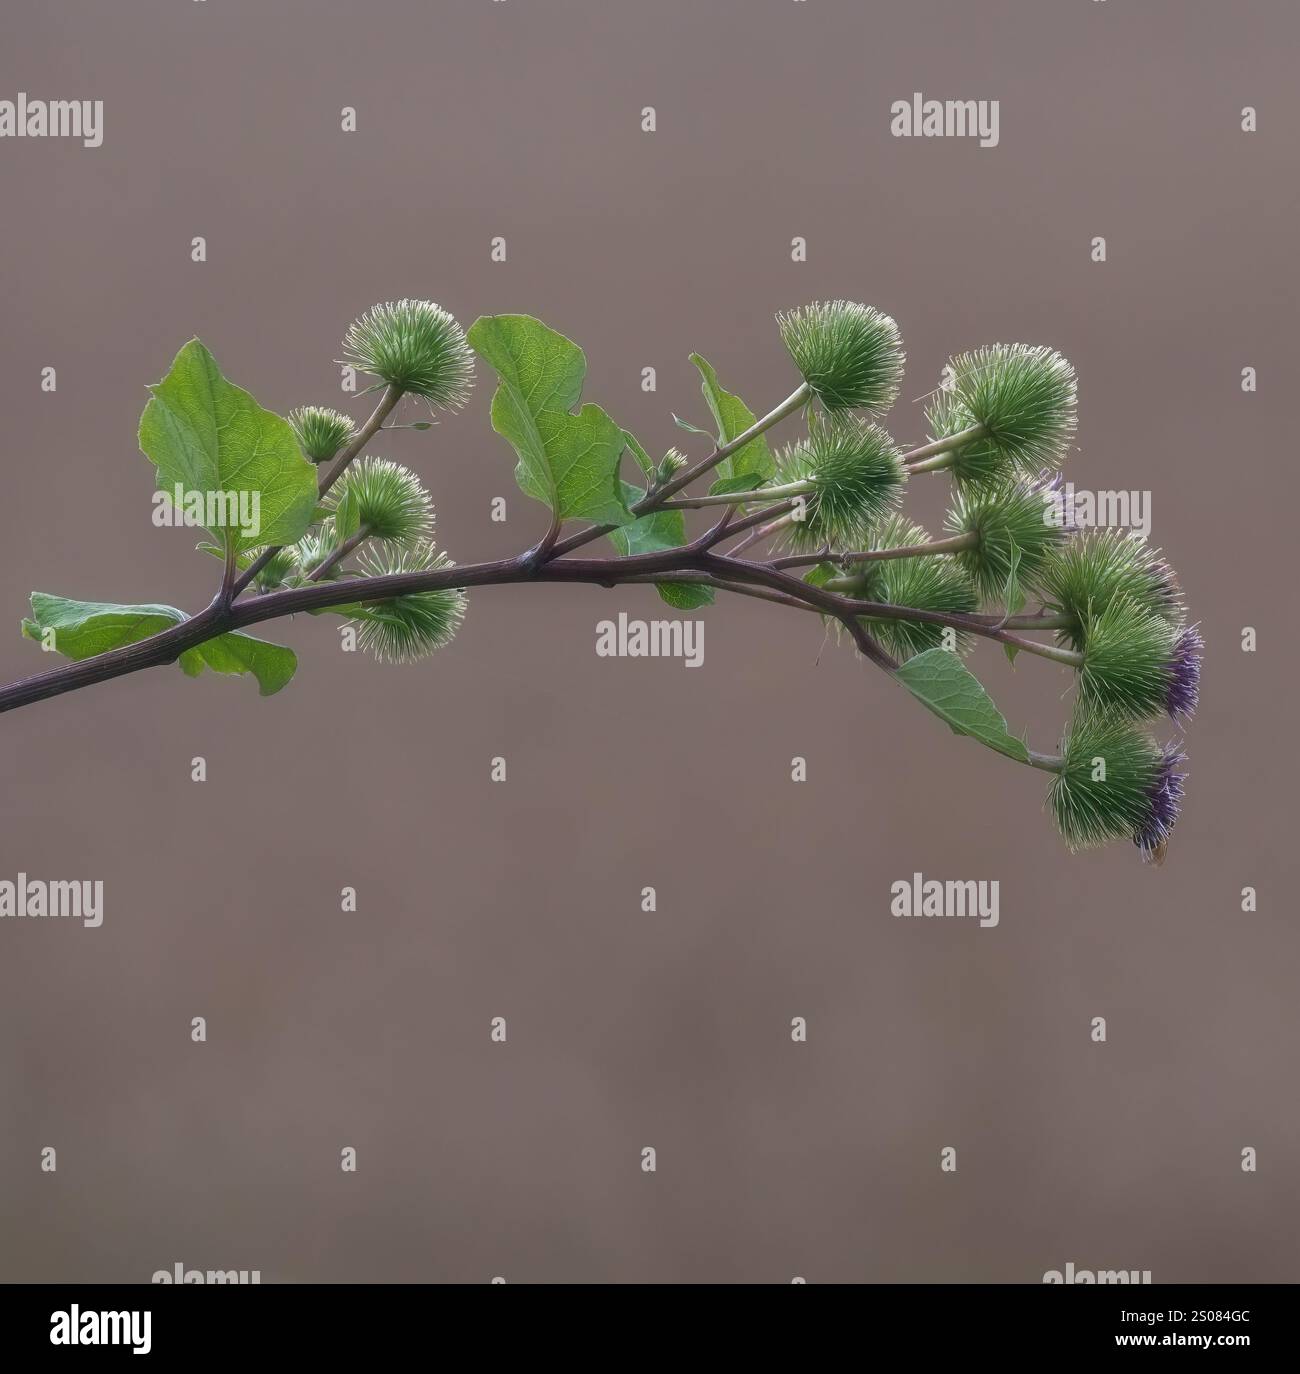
(816, 528)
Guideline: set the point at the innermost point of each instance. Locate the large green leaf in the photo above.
(665, 529)
(733, 418)
(941, 681)
(210, 436)
(82, 629)
(569, 462)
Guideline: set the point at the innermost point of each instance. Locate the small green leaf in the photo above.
(690, 428)
(643, 459)
(664, 529)
(820, 574)
(685, 596)
(347, 515)
(82, 629)
(746, 481)
(734, 417)
(569, 462)
(271, 664)
(940, 681)
(212, 438)
(1013, 597)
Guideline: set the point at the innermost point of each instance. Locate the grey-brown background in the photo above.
(523, 900)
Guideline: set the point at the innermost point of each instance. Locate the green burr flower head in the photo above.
(857, 476)
(321, 431)
(1082, 577)
(930, 582)
(1025, 397)
(850, 355)
(279, 569)
(411, 627)
(1128, 658)
(1116, 783)
(414, 345)
(312, 549)
(390, 502)
(1006, 516)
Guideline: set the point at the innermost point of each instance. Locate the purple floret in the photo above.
(1185, 675)
(1165, 798)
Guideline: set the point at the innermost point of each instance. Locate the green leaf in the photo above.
(734, 417)
(643, 459)
(569, 462)
(83, 629)
(664, 529)
(690, 428)
(271, 664)
(745, 482)
(685, 596)
(940, 681)
(212, 437)
(820, 574)
(347, 515)
(1013, 597)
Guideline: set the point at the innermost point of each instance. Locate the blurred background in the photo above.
(370, 1029)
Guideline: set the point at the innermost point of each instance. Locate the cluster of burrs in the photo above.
(379, 517)
(999, 427)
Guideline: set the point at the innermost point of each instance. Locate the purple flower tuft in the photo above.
(1165, 798)
(1185, 675)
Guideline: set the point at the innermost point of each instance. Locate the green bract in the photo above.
(850, 355)
(977, 460)
(1082, 577)
(1105, 789)
(1025, 399)
(321, 431)
(415, 346)
(1015, 535)
(933, 582)
(857, 475)
(1127, 656)
(384, 500)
